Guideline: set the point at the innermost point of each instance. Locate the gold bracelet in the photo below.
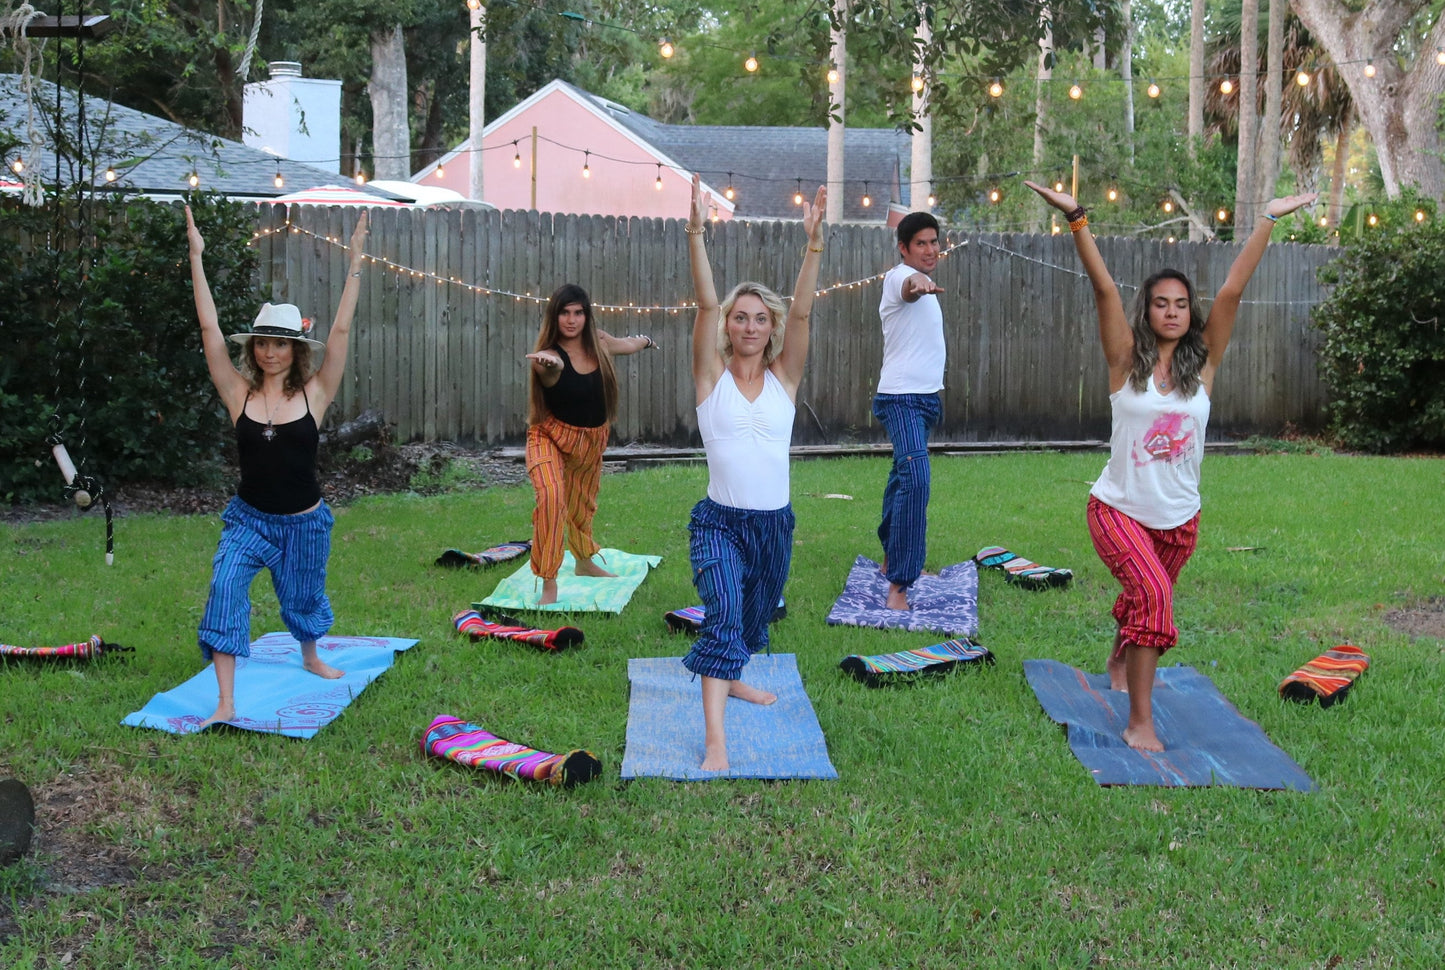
(812, 249)
(1078, 223)
(691, 231)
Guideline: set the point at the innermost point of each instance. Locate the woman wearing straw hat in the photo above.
(277, 399)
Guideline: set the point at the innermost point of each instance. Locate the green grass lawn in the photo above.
(961, 832)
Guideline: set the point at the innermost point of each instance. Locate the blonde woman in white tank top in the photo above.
(1143, 512)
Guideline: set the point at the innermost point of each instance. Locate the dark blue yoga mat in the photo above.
(664, 724)
(1206, 740)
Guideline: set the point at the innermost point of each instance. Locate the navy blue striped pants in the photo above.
(904, 530)
(740, 560)
(295, 548)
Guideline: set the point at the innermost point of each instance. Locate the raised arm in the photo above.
(789, 365)
(338, 339)
(1226, 302)
(1114, 333)
(622, 346)
(707, 363)
(230, 384)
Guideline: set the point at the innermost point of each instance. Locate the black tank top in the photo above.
(576, 399)
(278, 463)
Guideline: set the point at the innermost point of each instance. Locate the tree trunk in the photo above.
(1398, 108)
(1126, 71)
(1246, 99)
(837, 108)
(1046, 73)
(921, 170)
(1196, 89)
(1337, 173)
(1267, 161)
(390, 132)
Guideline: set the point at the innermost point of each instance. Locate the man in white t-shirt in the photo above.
(907, 402)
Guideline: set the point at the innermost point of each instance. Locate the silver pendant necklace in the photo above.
(269, 432)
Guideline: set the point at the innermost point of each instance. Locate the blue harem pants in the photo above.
(904, 529)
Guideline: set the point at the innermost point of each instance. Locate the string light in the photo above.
(194, 179)
(516, 155)
(1168, 206)
(1113, 194)
(474, 4)
(1226, 86)
(1369, 68)
(751, 64)
(1053, 227)
(1153, 90)
(1302, 79)
(994, 195)
(1440, 56)
(1058, 185)
(666, 49)
(1419, 215)
(587, 165)
(995, 90)
(18, 165)
(279, 179)
(658, 184)
(867, 199)
(1324, 221)
(798, 195)
(932, 199)
(1170, 239)
(1222, 215)
(730, 193)
(441, 172)
(360, 178)
(1373, 220)
(111, 175)
(832, 75)
(917, 83)
(1075, 91)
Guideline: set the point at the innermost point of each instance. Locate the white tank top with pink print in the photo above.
(1155, 452)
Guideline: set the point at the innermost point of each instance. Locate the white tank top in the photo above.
(747, 443)
(1155, 452)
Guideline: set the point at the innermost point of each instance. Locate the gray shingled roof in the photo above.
(155, 156)
(767, 162)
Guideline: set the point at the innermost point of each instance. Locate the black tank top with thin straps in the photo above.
(278, 473)
(576, 399)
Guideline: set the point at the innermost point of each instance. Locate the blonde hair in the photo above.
(776, 309)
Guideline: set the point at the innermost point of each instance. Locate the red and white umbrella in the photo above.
(332, 195)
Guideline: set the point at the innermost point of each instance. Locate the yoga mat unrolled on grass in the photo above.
(1206, 740)
(946, 603)
(523, 591)
(665, 730)
(274, 693)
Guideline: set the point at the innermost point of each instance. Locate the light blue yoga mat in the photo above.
(274, 693)
(576, 594)
(665, 733)
(1206, 740)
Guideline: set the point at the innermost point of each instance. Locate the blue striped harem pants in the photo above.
(740, 560)
(903, 530)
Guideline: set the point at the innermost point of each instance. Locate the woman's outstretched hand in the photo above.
(547, 359)
(701, 203)
(1062, 201)
(358, 242)
(1283, 207)
(193, 236)
(813, 217)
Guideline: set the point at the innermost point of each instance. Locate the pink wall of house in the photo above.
(624, 173)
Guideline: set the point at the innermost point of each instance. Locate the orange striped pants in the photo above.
(565, 465)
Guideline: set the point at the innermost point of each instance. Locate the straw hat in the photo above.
(280, 320)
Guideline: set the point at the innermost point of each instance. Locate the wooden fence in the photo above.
(454, 303)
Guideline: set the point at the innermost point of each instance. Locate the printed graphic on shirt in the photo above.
(1169, 439)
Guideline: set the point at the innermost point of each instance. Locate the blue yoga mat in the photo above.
(664, 724)
(1206, 740)
(274, 693)
(946, 603)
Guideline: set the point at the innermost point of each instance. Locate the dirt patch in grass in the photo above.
(1423, 619)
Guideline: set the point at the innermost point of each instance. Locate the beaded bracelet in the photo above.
(691, 231)
(1076, 224)
(1271, 218)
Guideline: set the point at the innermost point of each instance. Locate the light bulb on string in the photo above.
(1419, 215)
(1369, 68)
(18, 166)
(798, 194)
(360, 178)
(1075, 91)
(279, 180)
(1113, 194)
(730, 193)
(1302, 79)
(666, 49)
(1168, 206)
(917, 83)
(932, 198)
(1226, 86)
(111, 175)
(867, 199)
(1053, 228)
(751, 64)
(658, 184)
(474, 4)
(516, 156)
(441, 171)
(1222, 215)
(1324, 221)
(1440, 56)
(193, 180)
(994, 195)
(1170, 239)
(832, 75)
(1373, 220)
(1058, 185)
(587, 165)
(995, 90)
(1152, 90)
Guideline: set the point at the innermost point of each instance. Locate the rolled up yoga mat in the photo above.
(1020, 571)
(891, 668)
(505, 552)
(84, 650)
(1328, 677)
(502, 627)
(689, 618)
(475, 747)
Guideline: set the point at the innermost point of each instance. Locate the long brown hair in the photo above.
(1190, 353)
(295, 377)
(566, 295)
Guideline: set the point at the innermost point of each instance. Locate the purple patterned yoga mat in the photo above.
(946, 603)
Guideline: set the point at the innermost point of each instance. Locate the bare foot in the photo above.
(549, 592)
(586, 567)
(715, 758)
(752, 695)
(320, 668)
(1143, 738)
(897, 597)
(224, 712)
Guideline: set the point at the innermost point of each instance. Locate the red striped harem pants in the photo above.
(1146, 562)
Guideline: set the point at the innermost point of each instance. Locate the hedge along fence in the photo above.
(443, 358)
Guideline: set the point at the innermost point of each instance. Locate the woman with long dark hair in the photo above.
(277, 520)
(573, 402)
(1143, 511)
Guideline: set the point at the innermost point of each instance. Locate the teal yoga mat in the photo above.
(664, 724)
(576, 594)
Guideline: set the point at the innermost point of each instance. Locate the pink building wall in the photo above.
(624, 171)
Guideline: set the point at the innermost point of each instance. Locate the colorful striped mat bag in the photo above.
(505, 552)
(1020, 571)
(476, 626)
(890, 668)
(474, 747)
(1328, 677)
(689, 618)
(84, 650)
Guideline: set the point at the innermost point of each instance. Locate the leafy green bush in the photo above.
(1384, 349)
(102, 345)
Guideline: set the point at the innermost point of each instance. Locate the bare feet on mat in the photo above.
(897, 597)
(315, 665)
(752, 695)
(224, 712)
(1142, 738)
(715, 758)
(586, 567)
(549, 592)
